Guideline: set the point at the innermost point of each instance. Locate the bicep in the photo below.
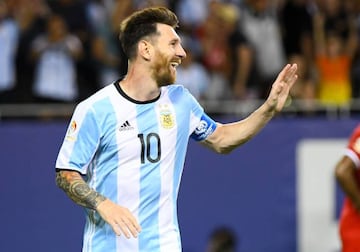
(213, 140)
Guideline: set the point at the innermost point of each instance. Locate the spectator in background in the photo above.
(242, 56)
(55, 54)
(140, 4)
(259, 23)
(9, 38)
(191, 73)
(75, 14)
(120, 10)
(217, 55)
(105, 60)
(354, 9)
(104, 45)
(296, 25)
(304, 93)
(222, 239)
(335, 41)
(31, 17)
(347, 173)
(192, 14)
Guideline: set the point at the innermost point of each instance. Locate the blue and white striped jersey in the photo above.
(133, 153)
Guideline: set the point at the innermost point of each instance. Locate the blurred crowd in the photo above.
(64, 50)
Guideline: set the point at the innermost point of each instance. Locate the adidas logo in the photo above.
(126, 126)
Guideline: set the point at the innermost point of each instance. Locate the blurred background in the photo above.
(275, 194)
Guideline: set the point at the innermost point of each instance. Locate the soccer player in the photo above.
(348, 175)
(124, 150)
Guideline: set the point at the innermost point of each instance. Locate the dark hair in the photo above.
(142, 23)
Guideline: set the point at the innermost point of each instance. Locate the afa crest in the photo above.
(166, 117)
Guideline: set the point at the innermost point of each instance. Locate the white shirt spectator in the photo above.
(263, 32)
(9, 34)
(55, 75)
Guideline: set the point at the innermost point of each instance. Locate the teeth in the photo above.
(174, 64)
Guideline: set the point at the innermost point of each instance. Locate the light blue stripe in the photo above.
(107, 161)
(87, 140)
(182, 139)
(150, 182)
(104, 168)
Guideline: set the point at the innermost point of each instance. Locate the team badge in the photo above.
(166, 117)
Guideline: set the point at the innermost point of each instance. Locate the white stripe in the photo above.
(353, 156)
(128, 177)
(88, 238)
(166, 208)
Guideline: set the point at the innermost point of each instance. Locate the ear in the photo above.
(145, 50)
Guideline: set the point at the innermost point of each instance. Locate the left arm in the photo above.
(345, 171)
(229, 136)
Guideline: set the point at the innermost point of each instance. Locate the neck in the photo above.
(139, 85)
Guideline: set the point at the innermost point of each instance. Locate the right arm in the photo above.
(119, 218)
(228, 137)
(345, 175)
(75, 187)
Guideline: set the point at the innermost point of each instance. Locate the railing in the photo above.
(225, 107)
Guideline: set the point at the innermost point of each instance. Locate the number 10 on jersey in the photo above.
(148, 143)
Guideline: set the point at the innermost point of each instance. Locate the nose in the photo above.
(181, 52)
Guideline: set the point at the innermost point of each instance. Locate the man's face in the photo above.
(167, 56)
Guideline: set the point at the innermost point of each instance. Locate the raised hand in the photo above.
(279, 93)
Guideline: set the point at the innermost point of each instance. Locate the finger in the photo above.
(290, 76)
(134, 223)
(283, 72)
(131, 227)
(293, 80)
(115, 227)
(293, 71)
(124, 229)
(283, 76)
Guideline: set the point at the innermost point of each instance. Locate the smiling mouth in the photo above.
(175, 64)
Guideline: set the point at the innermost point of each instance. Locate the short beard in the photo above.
(161, 71)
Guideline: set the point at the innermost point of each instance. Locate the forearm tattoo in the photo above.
(76, 188)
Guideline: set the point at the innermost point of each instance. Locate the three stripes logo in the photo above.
(126, 126)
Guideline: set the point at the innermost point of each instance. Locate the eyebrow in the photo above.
(175, 40)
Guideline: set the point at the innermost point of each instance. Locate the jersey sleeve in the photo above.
(81, 141)
(353, 147)
(202, 125)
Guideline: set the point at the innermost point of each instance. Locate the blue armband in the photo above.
(205, 128)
